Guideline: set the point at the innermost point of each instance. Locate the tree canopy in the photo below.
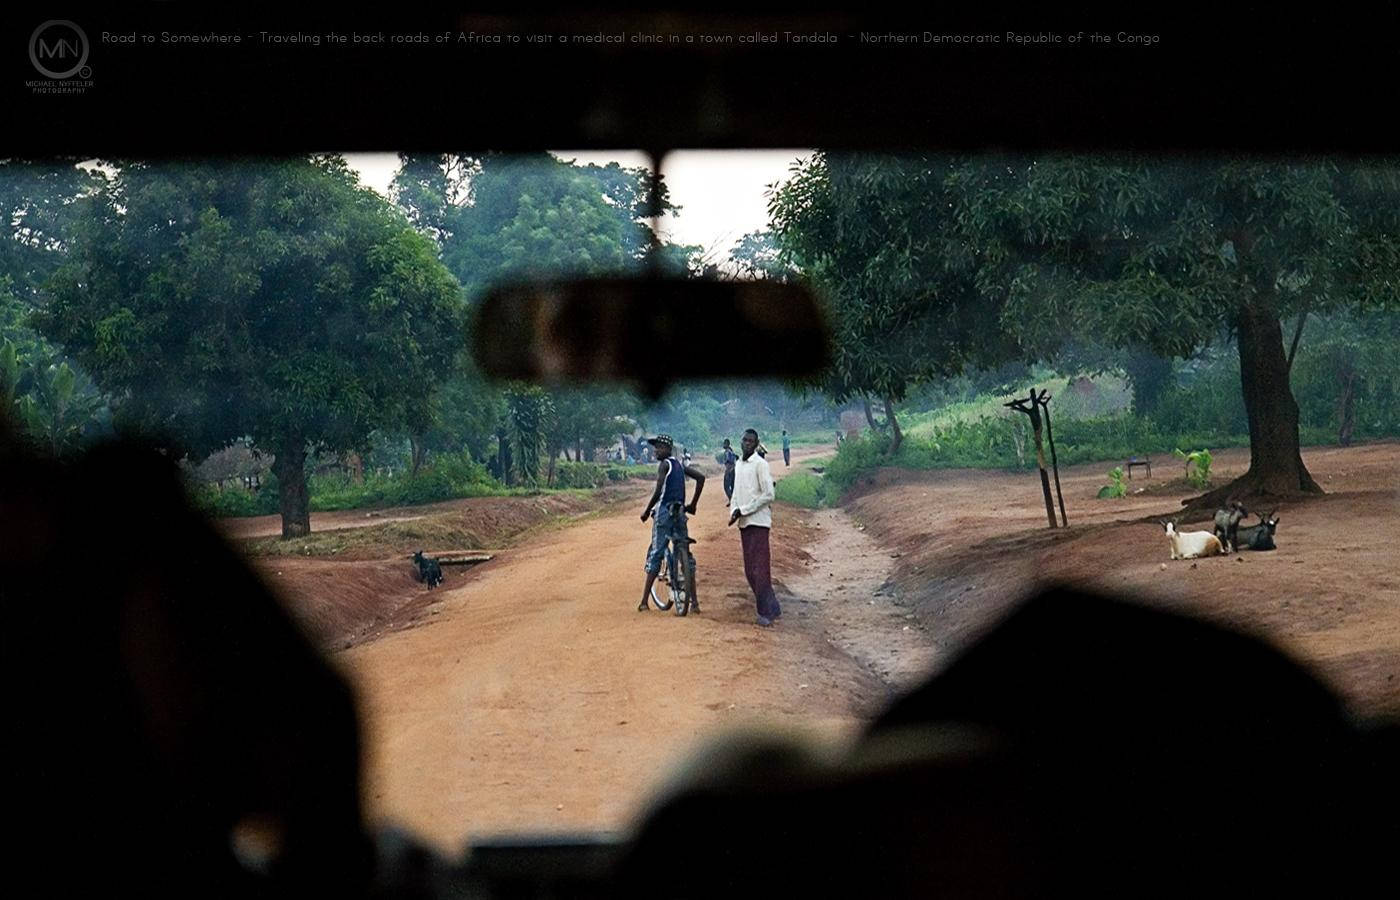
(1167, 255)
(877, 234)
(277, 300)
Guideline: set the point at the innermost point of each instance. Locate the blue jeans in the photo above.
(665, 526)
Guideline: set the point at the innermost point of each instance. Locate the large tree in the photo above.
(279, 300)
(877, 235)
(1163, 255)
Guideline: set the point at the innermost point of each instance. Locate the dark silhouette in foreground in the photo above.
(173, 734)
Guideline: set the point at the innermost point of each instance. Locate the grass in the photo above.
(1112, 395)
(802, 488)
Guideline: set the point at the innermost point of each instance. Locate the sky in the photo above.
(720, 192)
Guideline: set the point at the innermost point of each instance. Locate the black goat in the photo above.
(1261, 536)
(1227, 525)
(429, 570)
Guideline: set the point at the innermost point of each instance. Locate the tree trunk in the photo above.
(891, 421)
(418, 454)
(503, 458)
(1348, 409)
(870, 416)
(293, 499)
(567, 458)
(1275, 460)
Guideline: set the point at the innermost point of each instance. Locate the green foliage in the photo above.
(1197, 466)
(448, 477)
(569, 475)
(877, 236)
(1116, 486)
(531, 418)
(56, 409)
(806, 489)
(1350, 350)
(988, 444)
(273, 299)
(235, 501)
(757, 255)
(532, 215)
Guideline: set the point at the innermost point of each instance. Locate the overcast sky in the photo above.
(720, 191)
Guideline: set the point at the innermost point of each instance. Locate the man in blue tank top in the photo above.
(669, 502)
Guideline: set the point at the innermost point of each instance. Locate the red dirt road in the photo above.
(530, 695)
(537, 697)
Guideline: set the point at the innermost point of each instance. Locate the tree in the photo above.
(1160, 255)
(278, 300)
(430, 186)
(531, 418)
(532, 215)
(757, 255)
(876, 234)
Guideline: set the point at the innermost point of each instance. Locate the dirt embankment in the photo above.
(972, 543)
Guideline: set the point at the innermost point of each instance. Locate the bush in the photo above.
(1197, 466)
(1116, 487)
(235, 501)
(802, 489)
(989, 444)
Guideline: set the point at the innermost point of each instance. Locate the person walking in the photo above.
(751, 509)
(787, 449)
(729, 458)
(669, 502)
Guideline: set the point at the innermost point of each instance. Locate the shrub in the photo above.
(1116, 487)
(802, 489)
(1200, 459)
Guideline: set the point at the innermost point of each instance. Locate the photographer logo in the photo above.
(58, 49)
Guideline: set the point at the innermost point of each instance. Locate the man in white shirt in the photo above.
(752, 510)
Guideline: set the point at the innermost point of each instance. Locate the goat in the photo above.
(1227, 525)
(1261, 536)
(429, 570)
(1192, 544)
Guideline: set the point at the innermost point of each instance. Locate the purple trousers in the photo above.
(758, 569)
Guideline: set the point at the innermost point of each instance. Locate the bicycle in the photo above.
(679, 579)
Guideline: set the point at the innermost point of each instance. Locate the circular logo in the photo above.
(58, 48)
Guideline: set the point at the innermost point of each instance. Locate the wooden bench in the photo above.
(1143, 461)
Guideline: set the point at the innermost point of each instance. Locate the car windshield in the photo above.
(1169, 378)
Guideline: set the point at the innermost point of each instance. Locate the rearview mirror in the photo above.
(650, 331)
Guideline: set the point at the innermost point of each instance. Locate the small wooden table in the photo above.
(1144, 462)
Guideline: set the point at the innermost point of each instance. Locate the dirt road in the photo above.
(530, 695)
(539, 698)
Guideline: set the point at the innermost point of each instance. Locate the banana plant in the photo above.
(1201, 460)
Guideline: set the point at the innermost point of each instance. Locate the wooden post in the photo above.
(1031, 407)
(1054, 462)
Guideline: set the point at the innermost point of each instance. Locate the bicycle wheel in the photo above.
(691, 585)
(681, 575)
(664, 598)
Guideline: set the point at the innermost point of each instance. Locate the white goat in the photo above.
(1191, 544)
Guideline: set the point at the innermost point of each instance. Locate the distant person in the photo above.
(838, 438)
(787, 449)
(752, 510)
(729, 458)
(669, 502)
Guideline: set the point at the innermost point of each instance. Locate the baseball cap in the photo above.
(661, 439)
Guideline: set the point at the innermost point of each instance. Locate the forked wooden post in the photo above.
(1031, 407)
(1054, 463)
